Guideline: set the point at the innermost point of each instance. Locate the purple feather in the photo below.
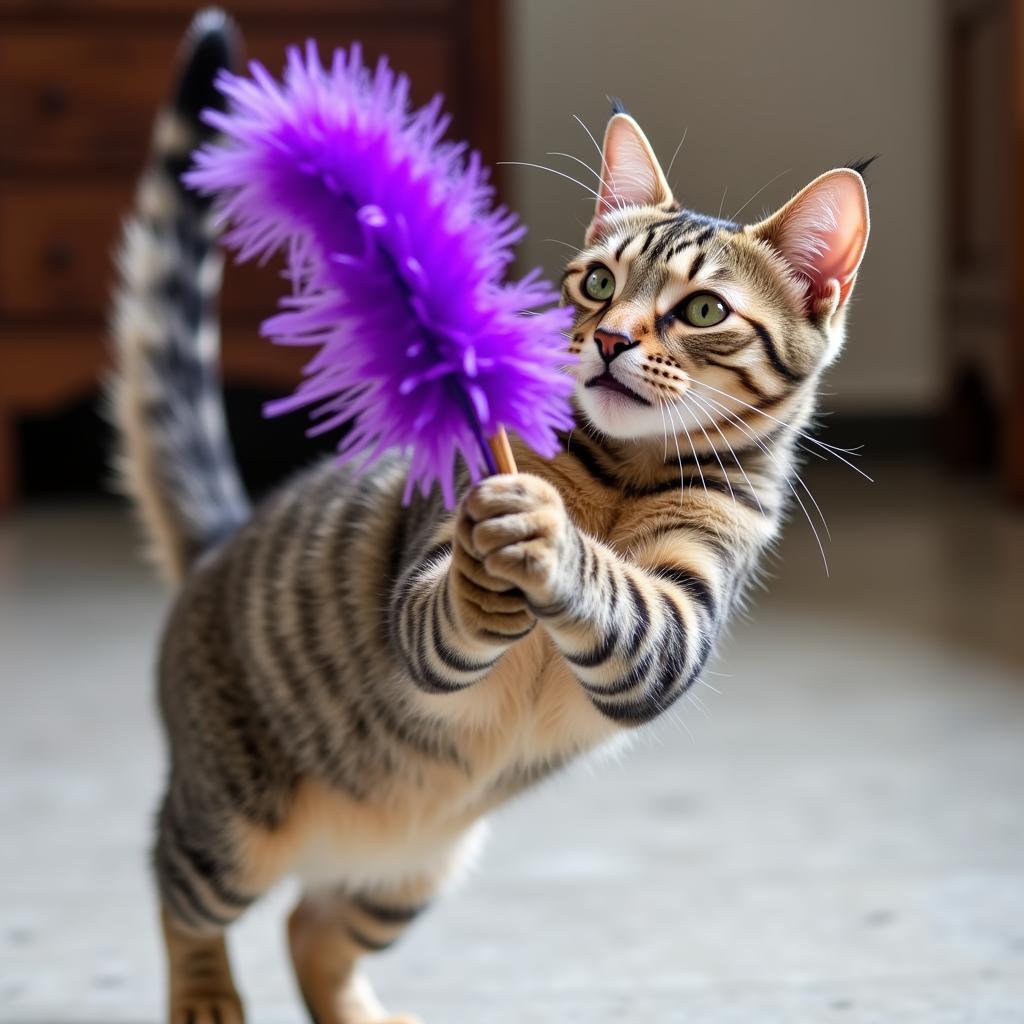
(396, 256)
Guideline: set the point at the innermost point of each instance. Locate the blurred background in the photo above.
(834, 827)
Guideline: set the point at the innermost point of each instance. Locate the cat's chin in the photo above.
(618, 416)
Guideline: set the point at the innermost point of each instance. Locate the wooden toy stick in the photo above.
(502, 452)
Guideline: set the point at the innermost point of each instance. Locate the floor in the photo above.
(836, 832)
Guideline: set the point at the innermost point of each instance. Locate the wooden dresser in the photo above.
(984, 286)
(80, 81)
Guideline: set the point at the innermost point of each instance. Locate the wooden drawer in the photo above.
(240, 9)
(56, 256)
(75, 99)
(44, 366)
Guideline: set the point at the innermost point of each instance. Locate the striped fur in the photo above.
(175, 459)
(349, 685)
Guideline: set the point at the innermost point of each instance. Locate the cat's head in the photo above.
(682, 316)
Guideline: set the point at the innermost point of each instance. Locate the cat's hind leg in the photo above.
(204, 884)
(330, 930)
(202, 989)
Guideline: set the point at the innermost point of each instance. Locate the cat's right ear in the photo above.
(630, 173)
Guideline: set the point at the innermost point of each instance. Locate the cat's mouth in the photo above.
(606, 380)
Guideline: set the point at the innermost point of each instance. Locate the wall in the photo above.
(788, 89)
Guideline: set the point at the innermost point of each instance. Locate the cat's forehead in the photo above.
(655, 245)
(655, 234)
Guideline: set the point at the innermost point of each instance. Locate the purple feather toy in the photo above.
(396, 255)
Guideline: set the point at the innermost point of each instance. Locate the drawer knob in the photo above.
(59, 256)
(54, 99)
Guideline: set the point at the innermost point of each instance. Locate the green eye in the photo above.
(705, 310)
(599, 284)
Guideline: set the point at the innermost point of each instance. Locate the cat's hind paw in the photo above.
(207, 1010)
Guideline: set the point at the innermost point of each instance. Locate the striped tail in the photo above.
(175, 459)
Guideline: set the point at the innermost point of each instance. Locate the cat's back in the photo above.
(320, 523)
(283, 612)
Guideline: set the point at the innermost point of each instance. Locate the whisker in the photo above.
(736, 459)
(771, 181)
(679, 454)
(583, 163)
(550, 170)
(771, 455)
(799, 479)
(699, 707)
(855, 452)
(558, 241)
(671, 163)
(674, 714)
(608, 188)
(689, 439)
(664, 430)
(811, 451)
(600, 153)
(714, 451)
(628, 179)
(832, 449)
(696, 460)
(695, 701)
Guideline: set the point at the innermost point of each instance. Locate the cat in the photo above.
(348, 685)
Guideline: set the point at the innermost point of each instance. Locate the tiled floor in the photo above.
(837, 835)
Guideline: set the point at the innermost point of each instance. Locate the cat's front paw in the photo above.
(490, 609)
(517, 526)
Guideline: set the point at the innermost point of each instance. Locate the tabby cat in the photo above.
(349, 685)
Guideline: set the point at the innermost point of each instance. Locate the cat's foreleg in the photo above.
(636, 632)
(450, 618)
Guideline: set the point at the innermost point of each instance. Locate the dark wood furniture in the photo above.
(80, 82)
(984, 312)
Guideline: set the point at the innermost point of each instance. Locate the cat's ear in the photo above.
(630, 172)
(821, 233)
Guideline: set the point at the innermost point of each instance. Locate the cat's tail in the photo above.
(175, 459)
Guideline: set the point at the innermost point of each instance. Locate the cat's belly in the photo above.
(330, 838)
(528, 716)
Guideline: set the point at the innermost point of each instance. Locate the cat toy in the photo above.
(396, 256)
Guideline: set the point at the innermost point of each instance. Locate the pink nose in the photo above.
(610, 344)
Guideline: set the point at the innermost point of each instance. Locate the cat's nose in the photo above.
(611, 345)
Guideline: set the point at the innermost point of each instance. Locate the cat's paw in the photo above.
(206, 1010)
(518, 529)
(489, 608)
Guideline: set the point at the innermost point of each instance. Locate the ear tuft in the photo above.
(821, 233)
(630, 172)
(861, 166)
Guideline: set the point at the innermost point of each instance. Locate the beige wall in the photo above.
(790, 86)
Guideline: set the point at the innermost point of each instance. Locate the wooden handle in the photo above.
(502, 452)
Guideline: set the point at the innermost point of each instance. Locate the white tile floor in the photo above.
(840, 837)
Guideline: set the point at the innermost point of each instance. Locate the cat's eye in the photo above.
(599, 284)
(705, 310)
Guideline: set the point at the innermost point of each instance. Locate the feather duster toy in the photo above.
(396, 257)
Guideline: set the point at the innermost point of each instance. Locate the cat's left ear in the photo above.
(822, 233)
(630, 173)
